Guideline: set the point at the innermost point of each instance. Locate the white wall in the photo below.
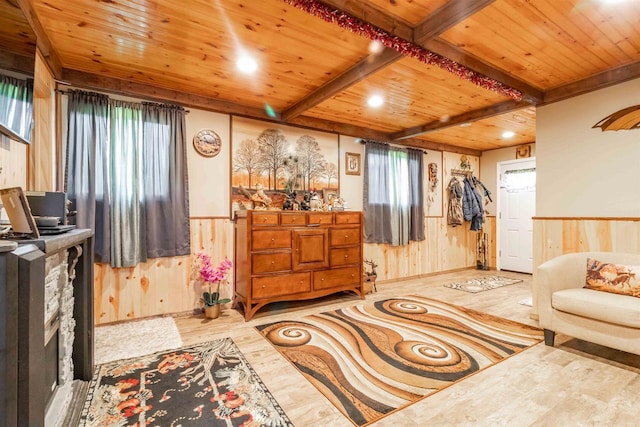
(209, 176)
(584, 172)
(351, 185)
(489, 171)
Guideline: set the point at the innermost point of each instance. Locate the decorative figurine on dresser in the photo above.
(295, 255)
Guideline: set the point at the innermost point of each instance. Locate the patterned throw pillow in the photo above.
(616, 278)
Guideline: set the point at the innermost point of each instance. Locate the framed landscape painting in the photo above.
(280, 159)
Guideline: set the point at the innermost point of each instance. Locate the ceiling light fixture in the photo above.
(375, 101)
(508, 134)
(247, 64)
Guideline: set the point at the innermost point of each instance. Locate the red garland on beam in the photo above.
(403, 46)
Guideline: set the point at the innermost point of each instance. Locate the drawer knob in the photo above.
(301, 282)
(352, 275)
(346, 256)
(273, 239)
(273, 262)
(322, 280)
(263, 286)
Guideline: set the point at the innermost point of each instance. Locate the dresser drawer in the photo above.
(293, 219)
(269, 263)
(270, 239)
(275, 286)
(344, 256)
(344, 236)
(265, 218)
(320, 218)
(347, 218)
(336, 277)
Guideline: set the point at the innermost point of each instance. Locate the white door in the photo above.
(516, 208)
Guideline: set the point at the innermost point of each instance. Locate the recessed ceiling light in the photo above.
(375, 101)
(247, 64)
(508, 134)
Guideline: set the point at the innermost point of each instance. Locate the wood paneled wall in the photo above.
(445, 248)
(166, 285)
(556, 236)
(162, 285)
(13, 161)
(41, 151)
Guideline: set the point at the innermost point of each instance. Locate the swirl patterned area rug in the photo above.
(209, 384)
(372, 359)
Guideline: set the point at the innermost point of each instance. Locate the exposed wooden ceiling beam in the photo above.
(468, 117)
(448, 15)
(443, 48)
(42, 40)
(152, 93)
(374, 16)
(365, 133)
(444, 18)
(595, 82)
(19, 63)
(359, 71)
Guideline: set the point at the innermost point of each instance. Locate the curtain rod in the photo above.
(66, 92)
(364, 141)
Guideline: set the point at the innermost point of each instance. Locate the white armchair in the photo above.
(564, 306)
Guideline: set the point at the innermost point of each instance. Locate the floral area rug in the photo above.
(209, 384)
(370, 360)
(483, 283)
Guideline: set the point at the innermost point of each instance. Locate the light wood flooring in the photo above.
(573, 384)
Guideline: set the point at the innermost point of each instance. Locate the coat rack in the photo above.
(462, 172)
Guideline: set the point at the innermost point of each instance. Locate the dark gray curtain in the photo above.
(416, 196)
(16, 105)
(87, 177)
(165, 183)
(377, 202)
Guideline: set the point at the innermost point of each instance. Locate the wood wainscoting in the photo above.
(554, 236)
(166, 286)
(445, 248)
(161, 285)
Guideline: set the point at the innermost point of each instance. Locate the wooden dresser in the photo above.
(295, 255)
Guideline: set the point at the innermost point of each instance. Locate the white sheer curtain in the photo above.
(128, 241)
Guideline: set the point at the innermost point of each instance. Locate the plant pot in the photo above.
(212, 311)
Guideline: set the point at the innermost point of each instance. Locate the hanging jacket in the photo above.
(454, 212)
(472, 205)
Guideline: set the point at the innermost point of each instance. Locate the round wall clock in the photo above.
(207, 143)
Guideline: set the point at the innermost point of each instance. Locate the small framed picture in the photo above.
(523, 151)
(352, 163)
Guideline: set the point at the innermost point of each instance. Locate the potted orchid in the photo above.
(210, 275)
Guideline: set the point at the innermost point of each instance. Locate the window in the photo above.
(127, 176)
(393, 203)
(16, 108)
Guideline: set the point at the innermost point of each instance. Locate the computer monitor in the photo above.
(17, 208)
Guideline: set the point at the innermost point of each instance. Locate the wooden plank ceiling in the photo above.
(318, 74)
